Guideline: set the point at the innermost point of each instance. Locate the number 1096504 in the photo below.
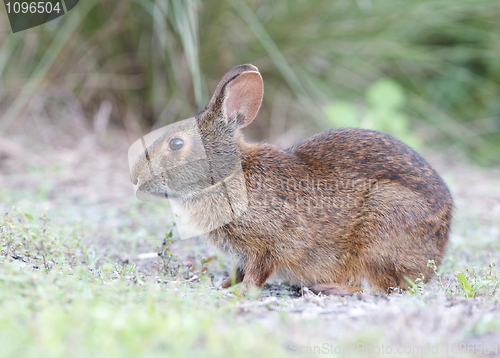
(32, 8)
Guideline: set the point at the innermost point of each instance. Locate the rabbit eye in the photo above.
(176, 144)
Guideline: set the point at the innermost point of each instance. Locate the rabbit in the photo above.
(347, 210)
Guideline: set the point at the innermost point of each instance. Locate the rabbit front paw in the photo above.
(232, 280)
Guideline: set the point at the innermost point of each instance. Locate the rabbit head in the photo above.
(196, 162)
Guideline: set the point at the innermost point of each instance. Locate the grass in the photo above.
(56, 300)
(65, 296)
(484, 283)
(82, 313)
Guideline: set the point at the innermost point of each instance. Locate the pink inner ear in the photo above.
(244, 96)
(236, 98)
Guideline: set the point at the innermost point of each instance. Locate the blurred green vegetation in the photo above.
(426, 71)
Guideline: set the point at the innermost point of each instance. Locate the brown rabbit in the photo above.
(343, 211)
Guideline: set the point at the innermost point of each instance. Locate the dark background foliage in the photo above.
(431, 66)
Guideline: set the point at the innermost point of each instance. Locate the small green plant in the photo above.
(471, 286)
(469, 282)
(417, 286)
(166, 256)
(469, 290)
(443, 283)
(24, 238)
(486, 281)
(204, 269)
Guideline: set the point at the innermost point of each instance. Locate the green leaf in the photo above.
(387, 94)
(28, 216)
(464, 283)
(479, 285)
(204, 261)
(413, 285)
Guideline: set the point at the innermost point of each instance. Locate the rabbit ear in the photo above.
(239, 95)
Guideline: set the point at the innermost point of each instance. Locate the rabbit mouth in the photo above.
(164, 192)
(155, 193)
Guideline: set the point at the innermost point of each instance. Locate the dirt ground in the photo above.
(83, 180)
